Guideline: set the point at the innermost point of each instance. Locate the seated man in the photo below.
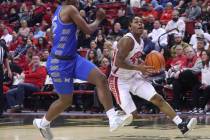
(34, 79)
(178, 41)
(186, 78)
(178, 62)
(200, 34)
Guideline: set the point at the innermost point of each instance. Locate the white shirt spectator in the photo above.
(180, 25)
(155, 34)
(136, 3)
(193, 41)
(7, 38)
(205, 75)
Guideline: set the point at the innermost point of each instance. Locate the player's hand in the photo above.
(100, 14)
(146, 70)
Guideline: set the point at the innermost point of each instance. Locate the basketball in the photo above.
(155, 59)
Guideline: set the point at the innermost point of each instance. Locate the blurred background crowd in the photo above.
(177, 28)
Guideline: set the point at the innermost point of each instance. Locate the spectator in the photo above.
(136, 3)
(108, 45)
(38, 12)
(199, 34)
(100, 39)
(42, 44)
(38, 32)
(31, 36)
(149, 23)
(117, 31)
(185, 78)
(24, 13)
(148, 44)
(33, 82)
(193, 12)
(7, 36)
(45, 54)
(178, 42)
(202, 89)
(92, 57)
(21, 49)
(149, 10)
(44, 25)
(16, 40)
(30, 47)
(13, 16)
(166, 15)
(179, 59)
(24, 29)
(83, 14)
(13, 66)
(93, 46)
(105, 66)
(200, 46)
(205, 17)
(122, 19)
(48, 16)
(83, 39)
(106, 53)
(181, 6)
(156, 5)
(165, 3)
(156, 33)
(176, 23)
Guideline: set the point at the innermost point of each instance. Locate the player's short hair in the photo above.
(131, 20)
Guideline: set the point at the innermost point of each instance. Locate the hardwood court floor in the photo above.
(147, 127)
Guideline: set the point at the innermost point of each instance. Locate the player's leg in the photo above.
(64, 87)
(146, 91)
(87, 71)
(184, 127)
(121, 91)
(57, 107)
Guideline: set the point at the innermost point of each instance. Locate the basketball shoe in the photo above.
(119, 121)
(45, 131)
(186, 127)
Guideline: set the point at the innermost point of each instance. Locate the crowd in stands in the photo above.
(180, 29)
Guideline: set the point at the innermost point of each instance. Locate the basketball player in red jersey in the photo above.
(127, 76)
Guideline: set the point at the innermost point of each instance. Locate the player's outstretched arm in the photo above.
(125, 45)
(81, 23)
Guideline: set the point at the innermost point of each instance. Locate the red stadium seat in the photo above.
(190, 27)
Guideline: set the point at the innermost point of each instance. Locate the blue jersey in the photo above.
(65, 36)
(63, 71)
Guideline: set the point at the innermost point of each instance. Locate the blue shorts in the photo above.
(63, 72)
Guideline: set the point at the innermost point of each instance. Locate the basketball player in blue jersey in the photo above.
(64, 64)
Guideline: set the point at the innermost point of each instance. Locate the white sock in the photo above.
(110, 113)
(177, 120)
(44, 122)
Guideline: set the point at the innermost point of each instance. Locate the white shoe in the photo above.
(45, 131)
(186, 127)
(119, 121)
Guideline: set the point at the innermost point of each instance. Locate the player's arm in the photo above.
(125, 45)
(81, 23)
